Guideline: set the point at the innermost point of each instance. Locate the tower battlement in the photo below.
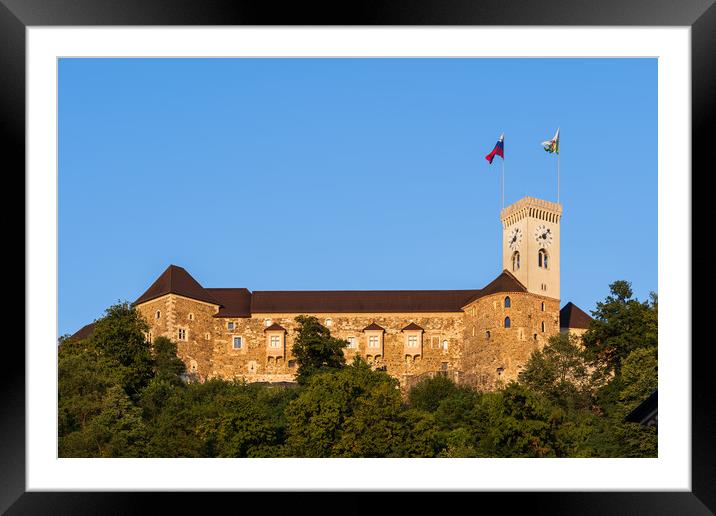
(531, 207)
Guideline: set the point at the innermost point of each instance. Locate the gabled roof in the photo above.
(176, 280)
(412, 327)
(83, 332)
(571, 316)
(373, 327)
(275, 327)
(505, 282)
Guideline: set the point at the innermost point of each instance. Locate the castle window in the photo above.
(275, 341)
(412, 341)
(329, 322)
(445, 344)
(237, 342)
(374, 341)
(543, 306)
(507, 322)
(351, 342)
(149, 337)
(507, 302)
(542, 258)
(191, 316)
(207, 336)
(515, 261)
(488, 334)
(291, 364)
(182, 334)
(230, 325)
(542, 325)
(159, 314)
(500, 370)
(193, 366)
(534, 336)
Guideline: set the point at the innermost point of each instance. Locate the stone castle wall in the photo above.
(452, 343)
(494, 354)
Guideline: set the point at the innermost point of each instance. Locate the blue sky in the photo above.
(311, 174)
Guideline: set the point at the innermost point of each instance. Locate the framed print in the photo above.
(41, 37)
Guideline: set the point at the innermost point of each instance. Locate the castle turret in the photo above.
(530, 244)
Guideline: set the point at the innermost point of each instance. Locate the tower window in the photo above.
(182, 334)
(238, 342)
(487, 334)
(542, 325)
(159, 314)
(542, 258)
(507, 302)
(543, 306)
(191, 316)
(507, 322)
(515, 261)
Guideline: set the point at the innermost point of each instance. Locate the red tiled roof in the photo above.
(176, 280)
(240, 302)
(83, 332)
(571, 316)
(235, 302)
(360, 301)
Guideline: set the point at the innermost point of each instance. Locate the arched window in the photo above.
(507, 322)
(515, 261)
(542, 258)
(507, 302)
(543, 306)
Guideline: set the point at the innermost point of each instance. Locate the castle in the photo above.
(477, 336)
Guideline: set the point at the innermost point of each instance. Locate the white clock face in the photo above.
(543, 235)
(514, 238)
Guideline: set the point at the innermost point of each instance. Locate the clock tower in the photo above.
(530, 244)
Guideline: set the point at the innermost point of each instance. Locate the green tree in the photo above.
(317, 417)
(167, 365)
(428, 393)
(116, 431)
(315, 350)
(84, 377)
(561, 372)
(621, 325)
(517, 422)
(121, 336)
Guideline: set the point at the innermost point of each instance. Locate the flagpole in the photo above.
(503, 182)
(557, 177)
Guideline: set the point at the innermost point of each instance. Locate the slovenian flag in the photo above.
(552, 146)
(499, 149)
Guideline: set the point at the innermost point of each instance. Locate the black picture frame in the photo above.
(16, 15)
